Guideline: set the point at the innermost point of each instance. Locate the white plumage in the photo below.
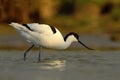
(43, 35)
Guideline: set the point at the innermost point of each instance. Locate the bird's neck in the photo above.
(70, 40)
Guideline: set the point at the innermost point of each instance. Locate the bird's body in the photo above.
(46, 36)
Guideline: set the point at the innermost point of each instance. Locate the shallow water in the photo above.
(60, 65)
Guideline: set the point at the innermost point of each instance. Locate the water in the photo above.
(60, 65)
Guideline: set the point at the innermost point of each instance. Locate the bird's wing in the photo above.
(42, 28)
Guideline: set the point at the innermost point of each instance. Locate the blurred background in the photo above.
(96, 21)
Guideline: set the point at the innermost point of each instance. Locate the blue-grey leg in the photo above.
(27, 51)
(40, 51)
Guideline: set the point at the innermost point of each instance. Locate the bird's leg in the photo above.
(27, 51)
(40, 51)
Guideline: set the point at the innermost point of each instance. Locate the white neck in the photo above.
(69, 40)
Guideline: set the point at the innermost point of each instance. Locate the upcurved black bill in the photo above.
(85, 45)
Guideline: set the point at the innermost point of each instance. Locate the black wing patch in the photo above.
(53, 29)
(27, 27)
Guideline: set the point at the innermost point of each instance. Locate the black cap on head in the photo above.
(71, 33)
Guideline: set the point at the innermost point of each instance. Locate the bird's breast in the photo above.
(52, 42)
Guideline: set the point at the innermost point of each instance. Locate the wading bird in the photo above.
(43, 35)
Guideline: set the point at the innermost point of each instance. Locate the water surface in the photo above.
(60, 65)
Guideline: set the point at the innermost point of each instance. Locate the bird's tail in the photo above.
(18, 26)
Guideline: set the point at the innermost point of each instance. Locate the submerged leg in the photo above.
(40, 51)
(27, 51)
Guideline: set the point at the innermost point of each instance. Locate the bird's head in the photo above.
(75, 37)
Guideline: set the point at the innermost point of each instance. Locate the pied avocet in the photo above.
(43, 35)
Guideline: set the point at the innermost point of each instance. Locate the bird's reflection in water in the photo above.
(53, 65)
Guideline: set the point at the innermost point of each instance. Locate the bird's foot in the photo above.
(24, 59)
(39, 59)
